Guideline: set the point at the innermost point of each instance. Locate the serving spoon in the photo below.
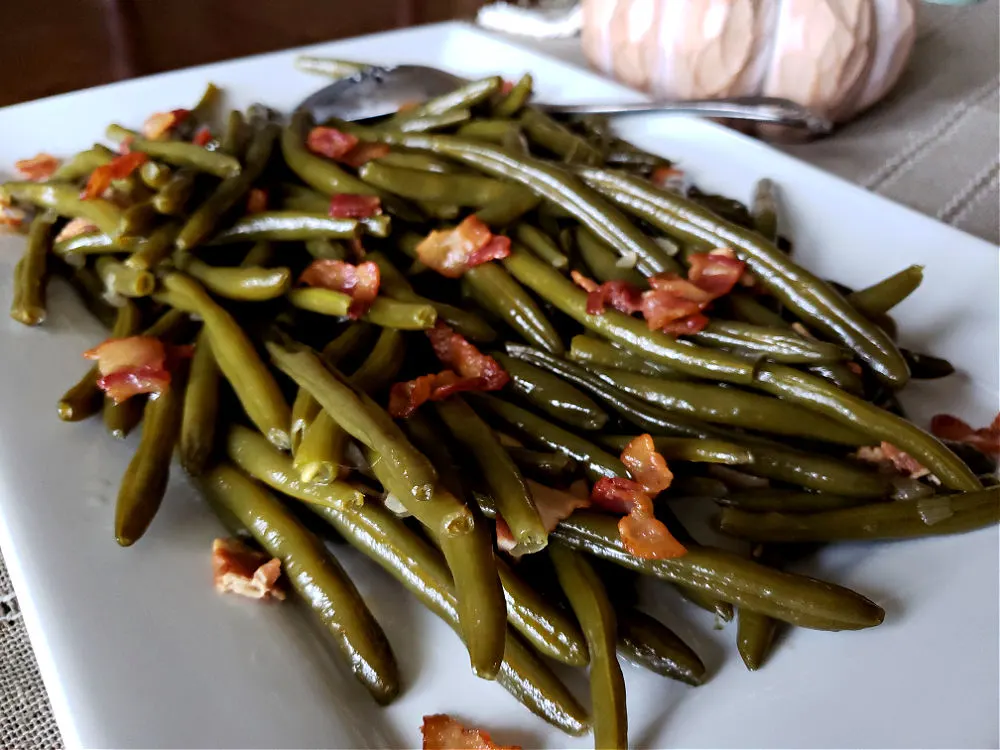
(381, 90)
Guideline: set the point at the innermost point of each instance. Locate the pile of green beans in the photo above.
(283, 405)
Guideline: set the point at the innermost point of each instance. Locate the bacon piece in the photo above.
(344, 206)
(239, 569)
(330, 142)
(647, 537)
(130, 366)
(76, 227)
(117, 169)
(122, 385)
(37, 168)
(661, 308)
(684, 289)
(454, 251)
(360, 282)
(587, 285)
(406, 397)
(506, 87)
(553, 506)
(668, 178)
(159, 124)
(985, 439)
(457, 353)
(441, 732)
(646, 466)
(202, 136)
(256, 201)
(621, 295)
(11, 218)
(363, 153)
(717, 271)
(889, 456)
(688, 324)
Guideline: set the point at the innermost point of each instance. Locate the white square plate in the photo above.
(138, 651)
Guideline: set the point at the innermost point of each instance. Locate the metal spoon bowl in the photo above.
(378, 91)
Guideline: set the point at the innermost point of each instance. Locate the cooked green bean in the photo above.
(323, 248)
(244, 283)
(417, 160)
(83, 163)
(359, 415)
(325, 66)
(237, 358)
(602, 262)
(463, 97)
(425, 123)
(901, 519)
(880, 298)
(774, 344)
(75, 249)
(927, 366)
(64, 199)
(505, 211)
(155, 175)
(542, 466)
(588, 350)
(252, 452)
(320, 174)
(27, 304)
(770, 499)
(597, 619)
(454, 189)
(796, 599)
(137, 219)
(539, 243)
(298, 225)
(812, 299)
(491, 131)
(201, 409)
(209, 214)
(314, 574)
(172, 198)
(764, 210)
(645, 641)
(124, 281)
(420, 568)
(552, 395)
(178, 153)
(498, 293)
(558, 139)
(511, 102)
(386, 312)
(145, 481)
(121, 419)
(234, 134)
(754, 636)
(687, 449)
(499, 472)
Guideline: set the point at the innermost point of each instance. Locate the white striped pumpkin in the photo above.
(837, 56)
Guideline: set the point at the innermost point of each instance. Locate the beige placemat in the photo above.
(933, 145)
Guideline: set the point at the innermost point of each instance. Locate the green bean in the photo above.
(463, 97)
(244, 283)
(771, 343)
(123, 281)
(257, 457)
(173, 197)
(542, 466)
(928, 367)
(812, 299)
(319, 173)
(588, 350)
(511, 102)
(64, 199)
(426, 123)
(121, 419)
(178, 153)
(880, 298)
(687, 449)
(314, 574)
(255, 387)
(137, 219)
(209, 214)
(234, 134)
(553, 184)
(754, 636)
(417, 160)
(539, 243)
(788, 501)
(298, 225)
(201, 409)
(455, 189)
(784, 382)
(645, 641)
(325, 66)
(506, 211)
(359, 415)
(558, 139)
(498, 293)
(384, 311)
(395, 285)
(83, 163)
(28, 301)
(155, 175)
(590, 604)
(764, 210)
(602, 262)
(145, 481)
(796, 599)
(902, 519)
(491, 131)
(499, 472)
(420, 568)
(322, 248)
(74, 250)
(595, 461)
(204, 111)
(155, 248)
(733, 407)
(552, 395)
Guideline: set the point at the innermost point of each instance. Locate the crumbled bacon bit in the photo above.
(202, 136)
(716, 271)
(133, 365)
(855, 368)
(660, 307)
(553, 506)
(159, 124)
(646, 466)
(76, 227)
(360, 282)
(330, 142)
(406, 397)
(410, 105)
(344, 206)
(889, 456)
(363, 153)
(985, 439)
(668, 178)
(506, 87)
(452, 252)
(11, 218)
(239, 569)
(37, 168)
(621, 295)
(256, 201)
(117, 169)
(587, 285)
(441, 732)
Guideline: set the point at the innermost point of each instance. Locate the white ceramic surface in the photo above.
(138, 651)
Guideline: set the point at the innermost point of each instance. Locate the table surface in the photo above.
(934, 145)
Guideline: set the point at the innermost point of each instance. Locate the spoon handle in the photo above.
(756, 108)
